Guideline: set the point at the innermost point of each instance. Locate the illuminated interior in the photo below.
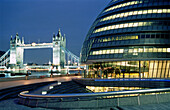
(130, 69)
(129, 39)
(125, 25)
(123, 5)
(109, 89)
(139, 12)
(133, 50)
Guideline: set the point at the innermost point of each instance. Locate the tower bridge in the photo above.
(62, 57)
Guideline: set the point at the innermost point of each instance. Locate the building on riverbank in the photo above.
(129, 39)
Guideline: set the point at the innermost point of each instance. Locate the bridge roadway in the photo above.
(9, 84)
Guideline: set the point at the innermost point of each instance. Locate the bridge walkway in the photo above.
(9, 84)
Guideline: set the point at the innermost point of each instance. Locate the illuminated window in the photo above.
(113, 27)
(136, 37)
(130, 25)
(155, 11)
(135, 24)
(121, 26)
(159, 49)
(117, 26)
(144, 50)
(154, 49)
(136, 13)
(140, 23)
(132, 3)
(125, 14)
(135, 50)
(123, 5)
(116, 51)
(112, 50)
(104, 51)
(145, 12)
(133, 37)
(130, 50)
(139, 12)
(97, 52)
(164, 10)
(117, 15)
(121, 51)
(122, 14)
(126, 25)
(108, 52)
(164, 49)
(100, 52)
(168, 10)
(150, 50)
(140, 50)
(160, 10)
(149, 11)
(168, 49)
(109, 27)
(130, 13)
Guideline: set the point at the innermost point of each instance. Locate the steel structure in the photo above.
(13, 58)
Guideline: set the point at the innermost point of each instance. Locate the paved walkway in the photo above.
(9, 84)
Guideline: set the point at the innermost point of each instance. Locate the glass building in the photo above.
(129, 39)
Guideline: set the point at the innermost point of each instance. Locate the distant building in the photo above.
(129, 39)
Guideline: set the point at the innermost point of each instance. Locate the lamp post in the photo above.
(51, 71)
(26, 77)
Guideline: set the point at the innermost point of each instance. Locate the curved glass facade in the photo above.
(129, 39)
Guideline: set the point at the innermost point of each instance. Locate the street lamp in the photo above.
(26, 77)
(51, 71)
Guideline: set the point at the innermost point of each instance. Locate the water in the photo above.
(8, 75)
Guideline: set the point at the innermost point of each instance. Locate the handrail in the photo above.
(25, 93)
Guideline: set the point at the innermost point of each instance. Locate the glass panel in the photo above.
(167, 69)
(159, 69)
(155, 69)
(151, 64)
(163, 69)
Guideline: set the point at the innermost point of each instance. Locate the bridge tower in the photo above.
(58, 54)
(16, 53)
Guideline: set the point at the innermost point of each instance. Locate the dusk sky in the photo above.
(37, 20)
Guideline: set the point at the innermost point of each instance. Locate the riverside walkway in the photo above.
(9, 84)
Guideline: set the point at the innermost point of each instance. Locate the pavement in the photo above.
(9, 84)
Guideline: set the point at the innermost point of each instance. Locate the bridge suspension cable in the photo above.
(4, 59)
(71, 54)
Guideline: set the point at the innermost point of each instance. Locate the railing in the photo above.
(96, 100)
(101, 94)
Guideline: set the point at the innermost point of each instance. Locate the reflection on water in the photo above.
(8, 75)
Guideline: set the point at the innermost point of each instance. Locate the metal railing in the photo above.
(100, 94)
(96, 100)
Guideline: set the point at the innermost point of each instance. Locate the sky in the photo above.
(37, 20)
